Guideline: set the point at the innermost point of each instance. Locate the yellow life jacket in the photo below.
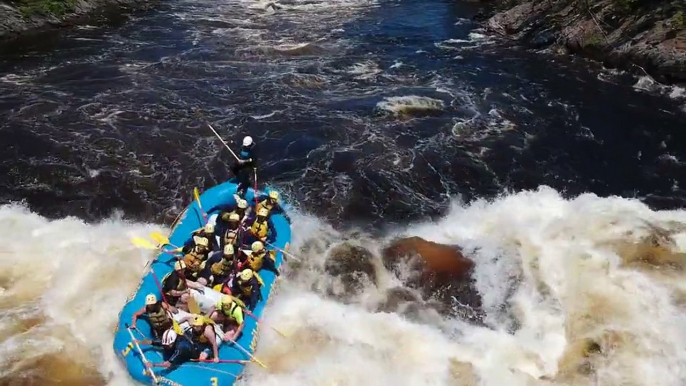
(255, 260)
(159, 319)
(222, 268)
(194, 260)
(259, 229)
(201, 335)
(247, 289)
(231, 236)
(228, 311)
(265, 204)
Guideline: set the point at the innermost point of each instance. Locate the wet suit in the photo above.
(243, 172)
(184, 350)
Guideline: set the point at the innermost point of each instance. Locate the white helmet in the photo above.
(169, 337)
(247, 141)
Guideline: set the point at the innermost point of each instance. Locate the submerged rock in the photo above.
(440, 272)
(432, 257)
(353, 266)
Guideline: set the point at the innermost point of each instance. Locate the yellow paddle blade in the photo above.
(159, 238)
(177, 328)
(143, 243)
(197, 196)
(193, 306)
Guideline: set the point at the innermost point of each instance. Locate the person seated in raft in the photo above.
(190, 244)
(182, 350)
(166, 343)
(195, 259)
(219, 268)
(203, 335)
(208, 232)
(259, 257)
(229, 312)
(233, 232)
(271, 203)
(159, 315)
(260, 228)
(246, 287)
(177, 288)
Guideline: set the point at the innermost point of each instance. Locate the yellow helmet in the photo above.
(263, 212)
(179, 265)
(274, 195)
(227, 300)
(150, 299)
(197, 321)
(234, 217)
(228, 249)
(209, 228)
(242, 204)
(203, 241)
(246, 274)
(257, 246)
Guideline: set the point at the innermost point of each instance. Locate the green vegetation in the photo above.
(679, 21)
(29, 8)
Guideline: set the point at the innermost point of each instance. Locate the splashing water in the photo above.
(593, 287)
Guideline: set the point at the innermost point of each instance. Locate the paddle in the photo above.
(197, 199)
(260, 320)
(221, 361)
(248, 353)
(255, 189)
(193, 307)
(284, 252)
(161, 239)
(145, 244)
(145, 361)
(199, 114)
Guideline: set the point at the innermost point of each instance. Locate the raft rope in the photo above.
(211, 369)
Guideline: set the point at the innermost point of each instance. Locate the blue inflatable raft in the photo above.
(194, 373)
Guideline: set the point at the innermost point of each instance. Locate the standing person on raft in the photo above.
(245, 166)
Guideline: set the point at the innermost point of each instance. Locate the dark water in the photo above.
(101, 119)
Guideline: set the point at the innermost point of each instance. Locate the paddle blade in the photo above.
(193, 306)
(143, 243)
(159, 238)
(196, 195)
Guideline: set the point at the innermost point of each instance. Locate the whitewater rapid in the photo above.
(578, 291)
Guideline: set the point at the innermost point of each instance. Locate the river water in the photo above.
(376, 119)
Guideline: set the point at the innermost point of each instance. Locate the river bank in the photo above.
(30, 17)
(647, 37)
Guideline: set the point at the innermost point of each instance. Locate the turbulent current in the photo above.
(377, 119)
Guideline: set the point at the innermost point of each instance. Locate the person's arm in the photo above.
(239, 320)
(269, 264)
(255, 294)
(137, 315)
(171, 284)
(169, 307)
(195, 286)
(212, 337)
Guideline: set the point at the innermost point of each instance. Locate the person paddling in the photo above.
(245, 165)
(159, 315)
